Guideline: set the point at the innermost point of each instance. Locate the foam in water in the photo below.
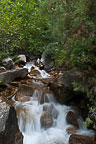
(43, 73)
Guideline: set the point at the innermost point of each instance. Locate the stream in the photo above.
(45, 122)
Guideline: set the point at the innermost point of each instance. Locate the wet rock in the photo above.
(34, 72)
(46, 120)
(9, 76)
(21, 59)
(48, 108)
(8, 63)
(72, 119)
(55, 113)
(11, 134)
(23, 92)
(44, 99)
(2, 69)
(71, 130)
(4, 112)
(62, 86)
(81, 139)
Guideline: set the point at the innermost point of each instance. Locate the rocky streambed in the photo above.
(30, 112)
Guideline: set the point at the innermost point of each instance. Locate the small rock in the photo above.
(2, 69)
(71, 130)
(8, 63)
(22, 59)
(46, 120)
(81, 139)
(72, 119)
(23, 92)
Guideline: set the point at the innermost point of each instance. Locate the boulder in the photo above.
(8, 63)
(24, 92)
(72, 119)
(62, 86)
(4, 112)
(2, 69)
(9, 76)
(46, 60)
(21, 59)
(46, 120)
(11, 133)
(81, 139)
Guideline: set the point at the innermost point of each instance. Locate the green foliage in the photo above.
(21, 26)
(73, 26)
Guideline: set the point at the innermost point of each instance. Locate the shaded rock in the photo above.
(46, 120)
(46, 60)
(11, 134)
(4, 112)
(2, 69)
(9, 76)
(55, 113)
(8, 63)
(21, 59)
(62, 86)
(81, 139)
(71, 130)
(72, 119)
(23, 91)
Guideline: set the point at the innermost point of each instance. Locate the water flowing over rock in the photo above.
(9, 76)
(41, 118)
(8, 63)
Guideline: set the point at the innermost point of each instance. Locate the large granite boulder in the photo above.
(11, 133)
(46, 60)
(9, 76)
(8, 63)
(4, 112)
(62, 86)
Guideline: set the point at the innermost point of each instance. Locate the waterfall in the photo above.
(44, 123)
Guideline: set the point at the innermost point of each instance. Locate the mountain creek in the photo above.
(31, 111)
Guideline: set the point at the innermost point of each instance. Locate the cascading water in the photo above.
(44, 123)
